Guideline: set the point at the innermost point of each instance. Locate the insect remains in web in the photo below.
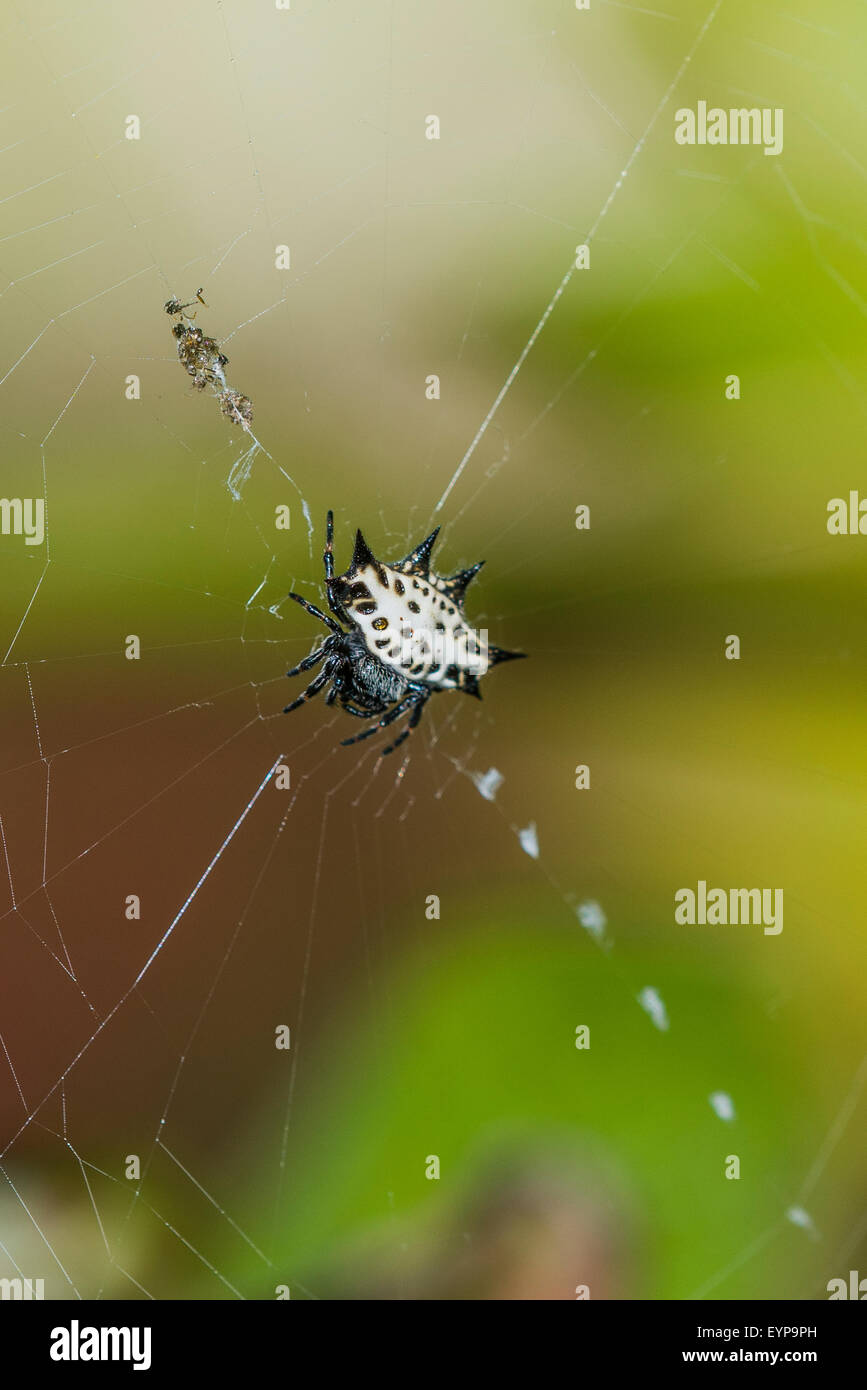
(407, 637)
(174, 306)
(201, 359)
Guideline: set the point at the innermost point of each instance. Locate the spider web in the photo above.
(163, 776)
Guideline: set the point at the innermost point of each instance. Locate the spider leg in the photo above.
(410, 725)
(359, 713)
(400, 708)
(328, 555)
(357, 738)
(328, 559)
(308, 662)
(337, 609)
(313, 689)
(317, 613)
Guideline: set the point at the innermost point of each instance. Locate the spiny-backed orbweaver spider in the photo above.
(408, 637)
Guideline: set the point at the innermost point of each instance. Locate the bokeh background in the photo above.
(411, 1036)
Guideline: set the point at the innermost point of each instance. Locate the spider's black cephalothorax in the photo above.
(407, 638)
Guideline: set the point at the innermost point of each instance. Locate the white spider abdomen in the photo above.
(413, 621)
